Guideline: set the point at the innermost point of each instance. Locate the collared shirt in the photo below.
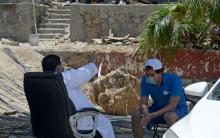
(171, 86)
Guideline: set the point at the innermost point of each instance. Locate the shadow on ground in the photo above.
(17, 125)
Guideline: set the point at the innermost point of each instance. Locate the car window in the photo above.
(215, 95)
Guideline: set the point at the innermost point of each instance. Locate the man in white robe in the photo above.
(73, 79)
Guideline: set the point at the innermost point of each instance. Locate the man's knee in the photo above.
(170, 117)
(136, 114)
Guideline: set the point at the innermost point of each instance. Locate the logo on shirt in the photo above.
(165, 92)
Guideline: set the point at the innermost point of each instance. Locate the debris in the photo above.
(97, 41)
(110, 34)
(57, 37)
(118, 43)
(118, 39)
(67, 3)
(9, 42)
(62, 40)
(125, 40)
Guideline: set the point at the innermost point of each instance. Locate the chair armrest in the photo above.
(88, 109)
(82, 113)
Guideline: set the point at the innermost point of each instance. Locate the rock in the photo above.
(57, 37)
(97, 41)
(9, 42)
(117, 92)
(62, 40)
(118, 43)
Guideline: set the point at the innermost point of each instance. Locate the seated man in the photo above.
(169, 104)
(73, 79)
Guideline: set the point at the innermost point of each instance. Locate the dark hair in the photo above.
(50, 62)
(157, 71)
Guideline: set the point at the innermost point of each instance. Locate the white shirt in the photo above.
(73, 79)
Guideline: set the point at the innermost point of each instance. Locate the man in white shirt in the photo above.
(73, 79)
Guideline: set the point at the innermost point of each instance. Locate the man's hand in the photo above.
(91, 58)
(145, 119)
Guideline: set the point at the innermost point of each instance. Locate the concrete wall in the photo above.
(194, 64)
(19, 1)
(7, 1)
(16, 20)
(95, 21)
(188, 63)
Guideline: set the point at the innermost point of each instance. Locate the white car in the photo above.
(203, 121)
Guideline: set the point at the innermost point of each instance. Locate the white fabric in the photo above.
(73, 79)
(153, 62)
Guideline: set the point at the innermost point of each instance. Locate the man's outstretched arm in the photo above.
(76, 77)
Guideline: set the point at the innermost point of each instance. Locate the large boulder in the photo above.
(117, 92)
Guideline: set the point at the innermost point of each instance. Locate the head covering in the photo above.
(154, 63)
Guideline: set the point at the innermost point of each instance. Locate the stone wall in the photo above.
(96, 20)
(16, 20)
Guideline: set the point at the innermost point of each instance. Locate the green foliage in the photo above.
(177, 24)
(165, 28)
(196, 8)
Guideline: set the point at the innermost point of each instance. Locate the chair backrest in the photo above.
(50, 106)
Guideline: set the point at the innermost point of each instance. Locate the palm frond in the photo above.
(215, 12)
(149, 37)
(181, 31)
(191, 21)
(159, 28)
(197, 8)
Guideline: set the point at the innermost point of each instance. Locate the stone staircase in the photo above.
(56, 24)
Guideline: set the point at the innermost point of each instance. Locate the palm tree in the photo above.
(180, 24)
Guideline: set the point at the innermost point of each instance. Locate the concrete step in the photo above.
(59, 11)
(58, 20)
(50, 36)
(51, 30)
(59, 16)
(54, 25)
(63, 7)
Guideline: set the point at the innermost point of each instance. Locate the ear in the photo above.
(59, 69)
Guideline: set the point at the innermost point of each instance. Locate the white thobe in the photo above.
(73, 79)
